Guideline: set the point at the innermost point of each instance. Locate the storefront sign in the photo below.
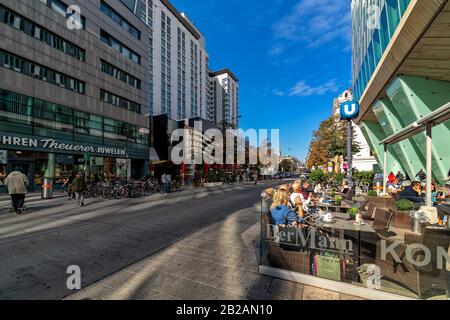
(310, 239)
(3, 157)
(54, 145)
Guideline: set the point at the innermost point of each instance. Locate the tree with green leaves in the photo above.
(328, 141)
(286, 165)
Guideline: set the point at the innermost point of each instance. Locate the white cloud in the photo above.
(279, 93)
(314, 23)
(302, 89)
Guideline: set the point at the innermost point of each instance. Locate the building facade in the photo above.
(181, 84)
(90, 75)
(401, 75)
(224, 98)
(73, 89)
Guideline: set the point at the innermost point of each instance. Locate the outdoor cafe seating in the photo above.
(411, 263)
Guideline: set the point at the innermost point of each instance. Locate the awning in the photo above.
(424, 124)
(435, 118)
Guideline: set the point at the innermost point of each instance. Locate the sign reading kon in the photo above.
(54, 145)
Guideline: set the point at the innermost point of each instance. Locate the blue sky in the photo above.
(292, 57)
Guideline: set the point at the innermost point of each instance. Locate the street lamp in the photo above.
(150, 136)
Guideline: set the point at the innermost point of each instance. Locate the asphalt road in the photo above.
(104, 237)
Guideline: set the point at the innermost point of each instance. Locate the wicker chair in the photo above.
(368, 214)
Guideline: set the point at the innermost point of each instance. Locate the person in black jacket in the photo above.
(413, 192)
(79, 187)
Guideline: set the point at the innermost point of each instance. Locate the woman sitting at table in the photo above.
(433, 192)
(280, 213)
(297, 198)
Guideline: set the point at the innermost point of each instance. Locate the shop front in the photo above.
(383, 259)
(57, 159)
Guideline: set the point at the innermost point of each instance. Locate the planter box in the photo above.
(381, 202)
(213, 184)
(401, 219)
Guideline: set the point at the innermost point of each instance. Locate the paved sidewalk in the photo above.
(217, 262)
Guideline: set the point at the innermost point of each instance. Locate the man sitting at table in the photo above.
(412, 192)
(280, 213)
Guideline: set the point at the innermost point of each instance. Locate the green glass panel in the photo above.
(416, 97)
(393, 14)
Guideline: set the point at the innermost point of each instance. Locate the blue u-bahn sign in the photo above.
(349, 110)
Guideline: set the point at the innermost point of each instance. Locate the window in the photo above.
(19, 64)
(393, 13)
(123, 103)
(384, 31)
(403, 6)
(32, 29)
(117, 18)
(19, 113)
(119, 47)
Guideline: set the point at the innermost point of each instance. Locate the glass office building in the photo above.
(374, 23)
(400, 75)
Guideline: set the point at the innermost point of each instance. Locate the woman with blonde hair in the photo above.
(280, 212)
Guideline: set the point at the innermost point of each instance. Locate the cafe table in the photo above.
(342, 224)
(344, 206)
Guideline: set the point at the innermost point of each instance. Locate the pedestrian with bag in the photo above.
(17, 184)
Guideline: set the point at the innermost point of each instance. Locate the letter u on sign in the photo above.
(349, 110)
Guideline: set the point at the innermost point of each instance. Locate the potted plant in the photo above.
(401, 211)
(333, 193)
(353, 212)
(338, 200)
(372, 193)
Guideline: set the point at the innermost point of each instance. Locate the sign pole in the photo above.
(350, 155)
(349, 111)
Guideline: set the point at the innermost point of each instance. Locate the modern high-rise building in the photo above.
(80, 80)
(401, 75)
(179, 71)
(224, 98)
(73, 89)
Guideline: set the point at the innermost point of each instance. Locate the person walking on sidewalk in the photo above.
(17, 184)
(68, 183)
(165, 183)
(79, 187)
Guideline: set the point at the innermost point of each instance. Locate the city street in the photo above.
(196, 244)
